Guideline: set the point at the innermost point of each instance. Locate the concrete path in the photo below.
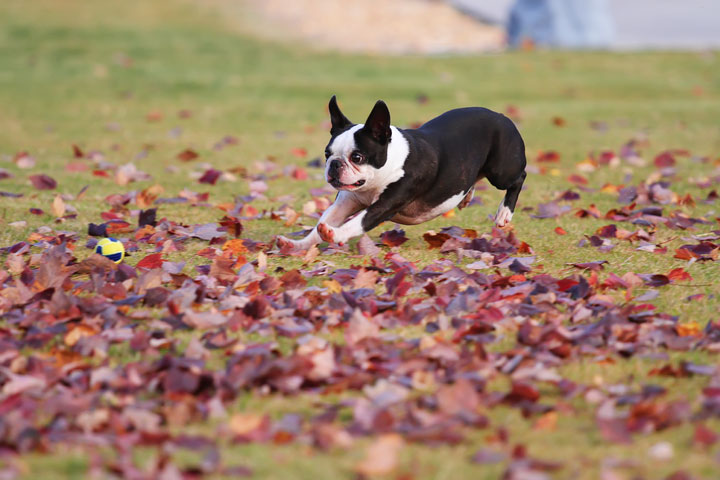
(639, 24)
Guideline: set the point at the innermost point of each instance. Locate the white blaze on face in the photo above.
(340, 150)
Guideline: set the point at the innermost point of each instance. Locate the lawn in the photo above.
(435, 371)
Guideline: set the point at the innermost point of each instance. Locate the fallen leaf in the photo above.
(187, 155)
(154, 260)
(393, 238)
(43, 182)
(58, 206)
(381, 457)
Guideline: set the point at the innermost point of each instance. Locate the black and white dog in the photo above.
(411, 176)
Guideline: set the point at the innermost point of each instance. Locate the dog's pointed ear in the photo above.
(378, 123)
(338, 121)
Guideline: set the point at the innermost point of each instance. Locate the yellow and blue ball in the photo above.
(111, 248)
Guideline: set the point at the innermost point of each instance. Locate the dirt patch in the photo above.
(373, 26)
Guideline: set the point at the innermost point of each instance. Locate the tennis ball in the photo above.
(111, 248)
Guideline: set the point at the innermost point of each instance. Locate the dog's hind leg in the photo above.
(507, 206)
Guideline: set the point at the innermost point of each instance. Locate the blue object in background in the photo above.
(561, 23)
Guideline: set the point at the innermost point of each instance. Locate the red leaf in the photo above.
(36, 211)
(109, 216)
(154, 260)
(703, 436)
(577, 179)
(608, 231)
(118, 226)
(665, 159)
(299, 152)
(299, 174)
(684, 254)
(548, 157)
(100, 173)
(43, 182)
(678, 274)
(521, 391)
(210, 176)
(560, 231)
(525, 248)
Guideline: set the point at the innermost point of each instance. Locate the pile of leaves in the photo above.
(158, 355)
(194, 341)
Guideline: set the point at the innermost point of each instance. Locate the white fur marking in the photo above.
(503, 215)
(351, 228)
(376, 180)
(445, 206)
(437, 210)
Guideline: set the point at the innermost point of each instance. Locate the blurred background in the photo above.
(440, 26)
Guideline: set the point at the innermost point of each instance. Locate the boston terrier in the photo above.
(410, 176)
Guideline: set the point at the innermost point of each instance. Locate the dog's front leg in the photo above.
(344, 206)
(385, 207)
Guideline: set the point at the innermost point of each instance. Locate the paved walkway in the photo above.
(374, 26)
(655, 24)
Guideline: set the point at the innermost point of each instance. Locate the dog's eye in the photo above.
(327, 153)
(357, 157)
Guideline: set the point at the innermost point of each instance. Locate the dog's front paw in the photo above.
(328, 234)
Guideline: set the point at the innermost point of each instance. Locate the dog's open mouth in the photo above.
(339, 185)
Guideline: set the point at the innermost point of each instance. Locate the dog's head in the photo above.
(356, 154)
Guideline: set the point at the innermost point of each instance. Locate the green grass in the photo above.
(88, 73)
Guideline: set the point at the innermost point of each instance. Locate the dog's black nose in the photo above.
(334, 168)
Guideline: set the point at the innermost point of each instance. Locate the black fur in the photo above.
(447, 156)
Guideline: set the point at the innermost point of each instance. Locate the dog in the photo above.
(410, 176)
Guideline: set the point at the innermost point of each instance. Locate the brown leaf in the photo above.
(245, 423)
(187, 155)
(96, 261)
(148, 196)
(360, 327)
(365, 278)
(458, 398)
(366, 246)
(79, 331)
(222, 269)
(435, 240)
(393, 238)
(58, 206)
(381, 457)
